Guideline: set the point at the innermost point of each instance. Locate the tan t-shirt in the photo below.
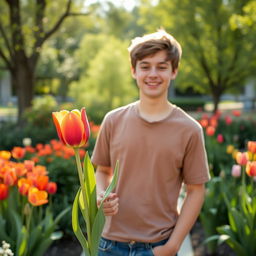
(155, 158)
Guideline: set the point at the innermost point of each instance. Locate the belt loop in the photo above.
(148, 245)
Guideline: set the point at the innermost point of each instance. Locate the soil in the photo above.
(67, 246)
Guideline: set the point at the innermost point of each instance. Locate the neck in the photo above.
(153, 106)
(153, 110)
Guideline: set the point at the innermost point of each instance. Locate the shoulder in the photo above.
(186, 121)
(119, 113)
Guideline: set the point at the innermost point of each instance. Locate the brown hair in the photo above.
(152, 43)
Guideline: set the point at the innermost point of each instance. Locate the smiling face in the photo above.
(153, 75)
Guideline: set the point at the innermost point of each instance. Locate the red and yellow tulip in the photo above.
(251, 169)
(37, 197)
(242, 158)
(72, 127)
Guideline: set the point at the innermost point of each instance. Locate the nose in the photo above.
(153, 72)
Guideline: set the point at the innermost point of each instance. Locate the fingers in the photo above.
(110, 204)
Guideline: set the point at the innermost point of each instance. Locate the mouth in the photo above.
(152, 84)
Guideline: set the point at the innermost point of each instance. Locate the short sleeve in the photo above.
(195, 165)
(101, 152)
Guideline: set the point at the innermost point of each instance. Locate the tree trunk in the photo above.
(23, 82)
(216, 94)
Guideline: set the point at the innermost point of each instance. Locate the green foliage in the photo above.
(213, 213)
(40, 112)
(86, 201)
(241, 230)
(189, 104)
(214, 53)
(107, 82)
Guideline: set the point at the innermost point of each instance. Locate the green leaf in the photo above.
(75, 225)
(97, 230)
(22, 242)
(90, 185)
(3, 234)
(232, 240)
(51, 228)
(42, 247)
(113, 182)
(100, 218)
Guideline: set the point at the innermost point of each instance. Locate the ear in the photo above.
(174, 73)
(133, 72)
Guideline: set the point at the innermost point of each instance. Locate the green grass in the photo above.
(8, 111)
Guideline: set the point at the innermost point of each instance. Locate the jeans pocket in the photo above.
(105, 245)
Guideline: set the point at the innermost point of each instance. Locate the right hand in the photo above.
(110, 204)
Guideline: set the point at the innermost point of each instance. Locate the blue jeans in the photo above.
(114, 248)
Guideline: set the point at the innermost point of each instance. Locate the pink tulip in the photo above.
(220, 138)
(236, 170)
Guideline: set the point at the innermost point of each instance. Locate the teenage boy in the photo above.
(159, 147)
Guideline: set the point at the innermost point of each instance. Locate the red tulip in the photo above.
(51, 188)
(72, 127)
(3, 191)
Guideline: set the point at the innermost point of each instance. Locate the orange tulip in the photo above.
(251, 169)
(36, 197)
(51, 188)
(72, 127)
(18, 152)
(10, 177)
(204, 123)
(3, 191)
(24, 185)
(252, 146)
(41, 182)
(29, 165)
(210, 130)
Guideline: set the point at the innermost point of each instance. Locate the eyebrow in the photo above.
(159, 63)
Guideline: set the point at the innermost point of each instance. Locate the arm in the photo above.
(189, 212)
(103, 179)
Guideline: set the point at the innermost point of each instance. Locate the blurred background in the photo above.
(67, 54)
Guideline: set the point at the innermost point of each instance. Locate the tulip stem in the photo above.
(82, 184)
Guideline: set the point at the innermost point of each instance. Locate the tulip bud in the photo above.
(236, 170)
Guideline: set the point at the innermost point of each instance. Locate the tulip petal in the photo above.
(57, 119)
(86, 124)
(72, 130)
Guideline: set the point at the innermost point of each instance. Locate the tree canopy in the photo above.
(217, 56)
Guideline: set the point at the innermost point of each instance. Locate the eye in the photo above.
(144, 67)
(162, 67)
